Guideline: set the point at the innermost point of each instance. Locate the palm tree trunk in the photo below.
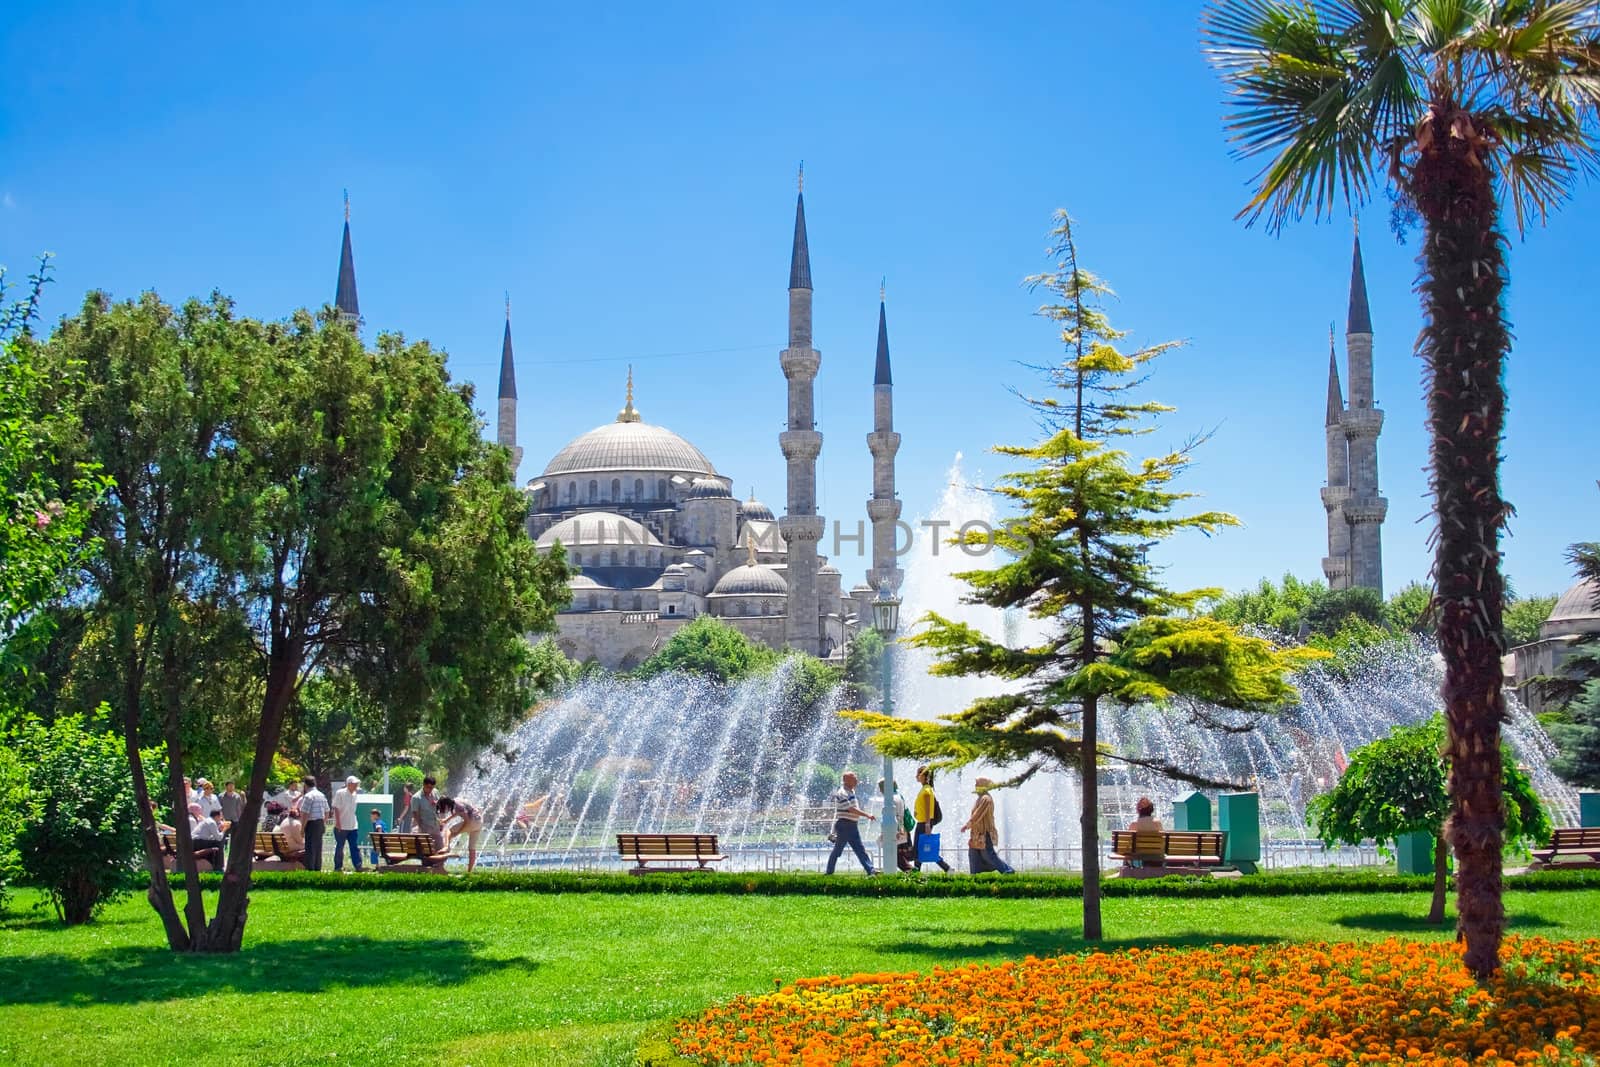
(1464, 342)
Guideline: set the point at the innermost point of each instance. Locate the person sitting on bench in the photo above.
(294, 831)
(1146, 823)
(205, 837)
(457, 817)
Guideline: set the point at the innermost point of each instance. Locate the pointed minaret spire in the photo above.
(344, 296)
(1335, 396)
(506, 424)
(800, 255)
(1360, 319)
(508, 368)
(881, 375)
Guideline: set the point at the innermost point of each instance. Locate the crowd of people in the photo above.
(301, 813)
(916, 841)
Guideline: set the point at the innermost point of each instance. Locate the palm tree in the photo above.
(1456, 104)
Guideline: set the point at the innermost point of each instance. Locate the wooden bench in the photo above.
(397, 849)
(169, 850)
(1581, 841)
(673, 850)
(273, 853)
(1189, 848)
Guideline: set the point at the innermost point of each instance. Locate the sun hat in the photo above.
(352, 780)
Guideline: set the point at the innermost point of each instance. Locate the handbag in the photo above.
(928, 848)
(908, 822)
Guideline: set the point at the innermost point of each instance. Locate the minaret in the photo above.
(1362, 424)
(1336, 565)
(884, 507)
(344, 296)
(801, 526)
(506, 417)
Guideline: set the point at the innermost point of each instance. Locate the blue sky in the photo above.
(628, 175)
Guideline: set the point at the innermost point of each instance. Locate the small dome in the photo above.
(752, 579)
(1577, 612)
(598, 528)
(755, 509)
(708, 489)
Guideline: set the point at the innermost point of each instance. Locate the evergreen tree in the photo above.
(1079, 564)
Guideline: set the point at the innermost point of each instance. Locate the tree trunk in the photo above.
(1464, 342)
(159, 894)
(1441, 879)
(1089, 772)
(194, 903)
(226, 932)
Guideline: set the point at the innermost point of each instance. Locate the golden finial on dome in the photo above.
(883, 288)
(628, 414)
(347, 205)
(508, 305)
(800, 181)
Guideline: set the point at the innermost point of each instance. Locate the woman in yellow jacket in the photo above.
(925, 811)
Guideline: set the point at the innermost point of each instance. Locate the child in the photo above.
(377, 827)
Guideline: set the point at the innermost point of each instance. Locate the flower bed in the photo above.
(1277, 1004)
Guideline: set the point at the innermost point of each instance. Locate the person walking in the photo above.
(232, 802)
(313, 808)
(926, 811)
(904, 858)
(425, 813)
(346, 824)
(983, 835)
(847, 815)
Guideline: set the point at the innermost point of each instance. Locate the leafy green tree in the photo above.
(1454, 103)
(1576, 730)
(42, 517)
(1079, 564)
(1523, 618)
(1280, 607)
(71, 821)
(1396, 785)
(710, 647)
(863, 668)
(1410, 610)
(340, 501)
(1338, 607)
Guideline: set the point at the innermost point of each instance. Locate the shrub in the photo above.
(13, 791)
(402, 775)
(75, 828)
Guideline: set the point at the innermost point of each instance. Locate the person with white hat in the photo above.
(346, 824)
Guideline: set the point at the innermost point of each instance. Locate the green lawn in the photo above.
(481, 978)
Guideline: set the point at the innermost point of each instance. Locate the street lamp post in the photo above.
(886, 620)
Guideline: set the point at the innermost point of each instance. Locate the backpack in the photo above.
(938, 813)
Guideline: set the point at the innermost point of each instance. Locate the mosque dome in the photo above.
(708, 489)
(755, 509)
(752, 579)
(629, 444)
(598, 528)
(1577, 612)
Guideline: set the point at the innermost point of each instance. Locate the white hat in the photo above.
(352, 780)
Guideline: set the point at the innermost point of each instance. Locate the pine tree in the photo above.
(1078, 562)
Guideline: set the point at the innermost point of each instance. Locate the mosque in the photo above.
(654, 534)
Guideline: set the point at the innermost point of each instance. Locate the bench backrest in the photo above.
(169, 843)
(271, 844)
(1576, 837)
(392, 844)
(1184, 844)
(688, 845)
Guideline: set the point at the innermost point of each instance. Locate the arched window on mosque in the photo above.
(632, 559)
(764, 608)
(616, 489)
(572, 492)
(661, 489)
(613, 557)
(638, 489)
(594, 491)
(594, 602)
(638, 602)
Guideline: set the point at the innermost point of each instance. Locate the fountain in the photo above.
(747, 762)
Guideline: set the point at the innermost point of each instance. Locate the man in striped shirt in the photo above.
(313, 808)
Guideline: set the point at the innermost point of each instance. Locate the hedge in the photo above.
(1011, 887)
